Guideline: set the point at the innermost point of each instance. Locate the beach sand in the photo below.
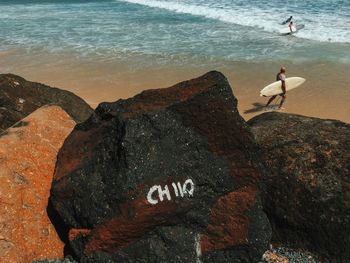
(325, 94)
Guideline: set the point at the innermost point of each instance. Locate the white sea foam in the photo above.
(319, 27)
(181, 30)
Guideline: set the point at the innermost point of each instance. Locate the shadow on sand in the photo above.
(257, 106)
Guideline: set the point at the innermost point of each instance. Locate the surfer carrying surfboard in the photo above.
(281, 76)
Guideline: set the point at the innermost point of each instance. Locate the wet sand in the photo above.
(325, 94)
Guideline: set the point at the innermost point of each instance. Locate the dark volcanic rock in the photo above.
(308, 180)
(166, 176)
(19, 98)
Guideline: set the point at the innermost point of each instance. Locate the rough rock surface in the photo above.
(166, 176)
(289, 255)
(308, 181)
(19, 98)
(28, 152)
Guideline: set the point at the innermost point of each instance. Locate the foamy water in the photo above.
(327, 21)
(183, 31)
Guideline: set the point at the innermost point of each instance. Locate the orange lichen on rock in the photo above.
(271, 257)
(228, 224)
(28, 153)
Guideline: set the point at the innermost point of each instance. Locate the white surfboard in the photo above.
(275, 88)
(286, 30)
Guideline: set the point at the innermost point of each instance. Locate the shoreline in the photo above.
(324, 94)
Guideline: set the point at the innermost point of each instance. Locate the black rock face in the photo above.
(308, 181)
(166, 176)
(19, 98)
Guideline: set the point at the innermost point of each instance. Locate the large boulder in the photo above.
(28, 154)
(307, 193)
(19, 98)
(166, 176)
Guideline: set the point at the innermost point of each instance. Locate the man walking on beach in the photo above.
(281, 76)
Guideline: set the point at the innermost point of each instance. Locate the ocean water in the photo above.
(181, 31)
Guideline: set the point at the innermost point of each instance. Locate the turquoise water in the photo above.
(182, 30)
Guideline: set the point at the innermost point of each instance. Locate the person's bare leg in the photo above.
(282, 101)
(270, 100)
